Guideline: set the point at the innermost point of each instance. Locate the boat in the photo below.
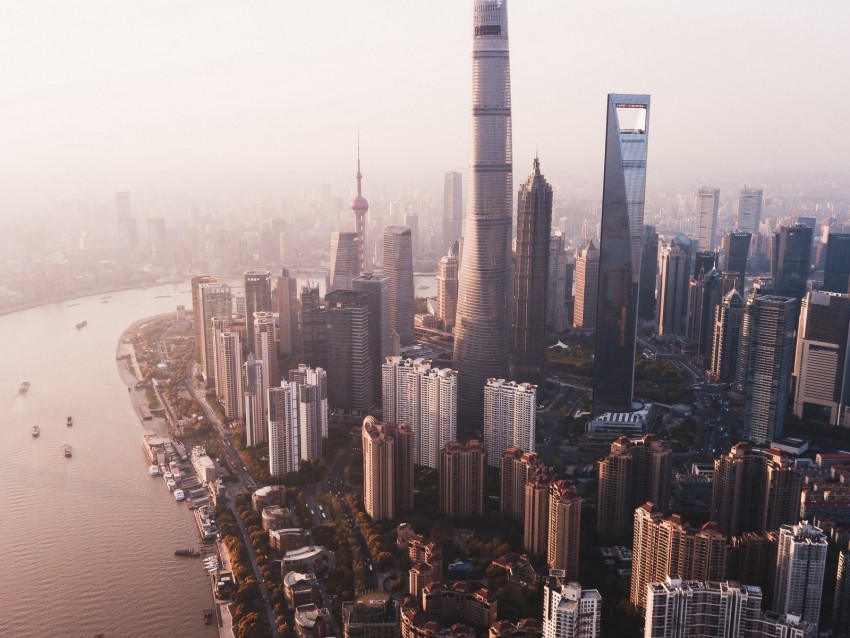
(154, 470)
(25, 386)
(69, 421)
(208, 616)
(179, 495)
(186, 552)
(67, 451)
(36, 431)
(82, 324)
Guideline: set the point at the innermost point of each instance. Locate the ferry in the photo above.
(82, 324)
(178, 495)
(67, 451)
(154, 470)
(36, 431)
(189, 553)
(69, 421)
(25, 386)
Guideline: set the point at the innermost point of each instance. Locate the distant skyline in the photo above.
(219, 99)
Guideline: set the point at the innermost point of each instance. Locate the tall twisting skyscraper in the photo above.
(481, 328)
(620, 249)
(534, 226)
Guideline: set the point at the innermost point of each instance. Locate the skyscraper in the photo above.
(620, 250)
(304, 375)
(312, 403)
(258, 298)
(215, 301)
(648, 274)
(284, 446)
(587, 287)
(345, 260)
(765, 362)
(534, 226)
(398, 266)
(820, 365)
(792, 255)
(452, 209)
(228, 374)
(800, 565)
(559, 286)
(510, 414)
(481, 328)
(378, 287)
(198, 316)
(350, 323)
(569, 610)
(265, 346)
(360, 206)
(256, 412)
(736, 249)
(517, 468)
(707, 205)
(462, 479)
(672, 299)
(564, 528)
(728, 318)
(749, 210)
(841, 601)
(387, 468)
(314, 328)
(535, 521)
(285, 303)
(836, 272)
(447, 273)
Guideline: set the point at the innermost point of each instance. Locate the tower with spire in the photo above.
(360, 206)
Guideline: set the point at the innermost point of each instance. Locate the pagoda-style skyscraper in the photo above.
(481, 328)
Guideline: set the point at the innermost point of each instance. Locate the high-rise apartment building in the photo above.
(215, 301)
(285, 303)
(754, 490)
(791, 260)
(228, 374)
(570, 611)
(314, 328)
(258, 298)
(765, 362)
(284, 446)
(749, 210)
(841, 600)
(350, 326)
(481, 327)
(426, 399)
(531, 275)
(728, 321)
(462, 479)
(672, 296)
(304, 375)
(736, 249)
(636, 471)
(256, 410)
(665, 547)
(310, 418)
(822, 387)
(198, 316)
(535, 521)
(398, 266)
(620, 249)
(387, 468)
(707, 205)
(345, 260)
(452, 209)
(800, 565)
(648, 274)
(564, 528)
(265, 346)
(836, 271)
(510, 415)
(517, 468)
(447, 269)
(378, 287)
(587, 287)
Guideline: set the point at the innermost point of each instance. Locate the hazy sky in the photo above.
(101, 95)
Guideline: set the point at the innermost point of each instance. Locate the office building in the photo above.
(841, 600)
(285, 303)
(665, 547)
(707, 205)
(462, 479)
(736, 249)
(215, 301)
(452, 209)
(198, 324)
(531, 275)
(820, 365)
(570, 611)
(387, 468)
(635, 471)
(672, 293)
(398, 266)
(350, 368)
(620, 249)
(345, 260)
(510, 416)
(258, 298)
(800, 565)
(703, 298)
(424, 397)
(749, 210)
(587, 287)
(378, 287)
(372, 615)
(559, 303)
(304, 375)
(564, 528)
(728, 321)
(360, 207)
(754, 490)
(481, 327)
(314, 328)
(128, 231)
(791, 260)
(765, 364)
(447, 273)
(228, 373)
(256, 411)
(648, 274)
(836, 271)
